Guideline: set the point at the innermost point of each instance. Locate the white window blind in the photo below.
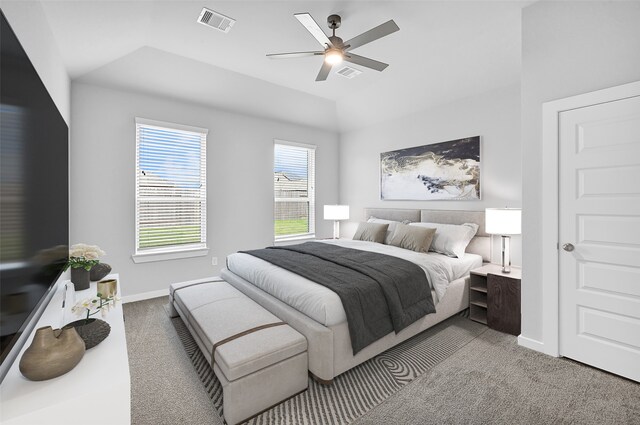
(294, 180)
(171, 191)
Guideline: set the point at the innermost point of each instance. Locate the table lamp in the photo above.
(336, 213)
(504, 222)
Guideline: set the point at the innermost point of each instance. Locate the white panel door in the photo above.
(600, 236)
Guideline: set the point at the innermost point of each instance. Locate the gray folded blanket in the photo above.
(379, 293)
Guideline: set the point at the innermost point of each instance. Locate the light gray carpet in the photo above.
(165, 388)
(493, 380)
(356, 391)
(489, 380)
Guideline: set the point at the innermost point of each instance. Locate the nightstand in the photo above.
(494, 298)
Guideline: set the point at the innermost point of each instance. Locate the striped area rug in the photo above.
(358, 390)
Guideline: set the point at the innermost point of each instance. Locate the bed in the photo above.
(316, 312)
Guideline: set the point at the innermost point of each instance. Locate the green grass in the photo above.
(291, 227)
(176, 235)
(191, 234)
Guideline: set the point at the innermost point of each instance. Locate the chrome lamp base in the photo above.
(336, 229)
(506, 254)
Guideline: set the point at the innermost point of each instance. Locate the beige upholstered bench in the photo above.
(260, 360)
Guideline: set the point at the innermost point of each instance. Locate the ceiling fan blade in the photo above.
(315, 30)
(361, 60)
(373, 34)
(324, 71)
(293, 55)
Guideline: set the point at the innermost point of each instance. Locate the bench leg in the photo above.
(320, 380)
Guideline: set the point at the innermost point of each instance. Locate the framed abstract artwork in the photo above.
(440, 171)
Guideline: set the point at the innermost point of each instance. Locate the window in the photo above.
(171, 195)
(294, 180)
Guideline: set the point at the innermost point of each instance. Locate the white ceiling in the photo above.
(444, 51)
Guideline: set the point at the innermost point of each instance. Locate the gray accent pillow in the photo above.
(372, 232)
(408, 237)
(391, 223)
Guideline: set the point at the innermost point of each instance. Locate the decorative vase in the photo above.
(92, 331)
(107, 288)
(80, 278)
(52, 353)
(99, 271)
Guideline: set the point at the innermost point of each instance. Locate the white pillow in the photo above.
(390, 229)
(451, 239)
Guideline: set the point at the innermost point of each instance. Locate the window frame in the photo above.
(170, 252)
(311, 193)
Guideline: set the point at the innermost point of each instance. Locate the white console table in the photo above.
(96, 391)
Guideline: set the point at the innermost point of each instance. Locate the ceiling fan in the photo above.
(336, 50)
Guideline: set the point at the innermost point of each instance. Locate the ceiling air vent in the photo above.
(215, 20)
(349, 72)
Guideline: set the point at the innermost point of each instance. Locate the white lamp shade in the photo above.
(503, 221)
(336, 212)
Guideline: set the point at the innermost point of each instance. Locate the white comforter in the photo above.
(322, 304)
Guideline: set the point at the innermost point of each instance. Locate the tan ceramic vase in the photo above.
(52, 353)
(107, 288)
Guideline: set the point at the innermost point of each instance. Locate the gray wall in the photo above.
(568, 48)
(156, 72)
(494, 115)
(28, 21)
(239, 178)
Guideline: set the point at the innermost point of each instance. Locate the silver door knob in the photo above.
(568, 247)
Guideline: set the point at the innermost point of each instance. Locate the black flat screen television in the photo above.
(34, 194)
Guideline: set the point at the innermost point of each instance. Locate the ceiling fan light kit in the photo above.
(336, 50)
(333, 56)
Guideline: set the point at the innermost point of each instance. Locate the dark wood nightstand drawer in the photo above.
(503, 303)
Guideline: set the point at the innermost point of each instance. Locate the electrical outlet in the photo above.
(214, 261)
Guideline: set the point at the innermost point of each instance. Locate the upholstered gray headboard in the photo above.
(394, 214)
(480, 244)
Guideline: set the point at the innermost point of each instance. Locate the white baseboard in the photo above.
(531, 344)
(145, 296)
